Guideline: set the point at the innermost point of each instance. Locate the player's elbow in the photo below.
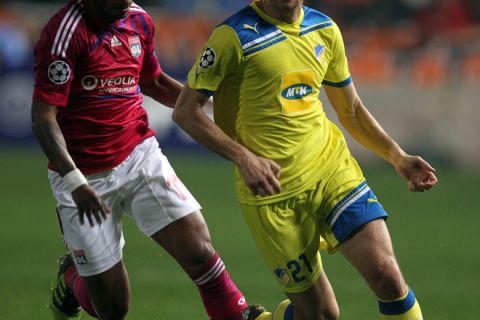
(179, 116)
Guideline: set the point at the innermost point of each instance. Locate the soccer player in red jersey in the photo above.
(93, 60)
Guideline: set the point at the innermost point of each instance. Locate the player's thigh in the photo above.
(164, 209)
(94, 249)
(287, 236)
(345, 203)
(158, 197)
(371, 252)
(368, 246)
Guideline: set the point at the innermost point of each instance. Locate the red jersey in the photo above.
(93, 74)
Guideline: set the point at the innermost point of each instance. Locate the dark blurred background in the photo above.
(416, 64)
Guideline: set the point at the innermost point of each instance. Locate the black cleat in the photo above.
(64, 305)
(253, 312)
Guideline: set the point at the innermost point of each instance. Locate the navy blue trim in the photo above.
(236, 19)
(144, 25)
(289, 312)
(98, 41)
(249, 17)
(397, 307)
(136, 93)
(358, 213)
(341, 202)
(133, 24)
(206, 92)
(261, 47)
(349, 222)
(114, 96)
(320, 26)
(338, 84)
(313, 20)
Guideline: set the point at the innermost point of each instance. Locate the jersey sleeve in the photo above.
(337, 74)
(151, 68)
(220, 56)
(56, 55)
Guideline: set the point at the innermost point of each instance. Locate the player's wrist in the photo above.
(74, 179)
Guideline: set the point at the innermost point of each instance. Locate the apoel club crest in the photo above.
(320, 53)
(135, 46)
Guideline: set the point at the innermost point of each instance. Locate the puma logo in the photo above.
(254, 28)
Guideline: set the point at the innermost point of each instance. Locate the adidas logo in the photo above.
(115, 42)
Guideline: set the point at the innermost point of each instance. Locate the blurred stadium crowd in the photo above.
(414, 46)
(432, 41)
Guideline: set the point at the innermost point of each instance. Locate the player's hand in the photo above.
(89, 205)
(419, 173)
(260, 175)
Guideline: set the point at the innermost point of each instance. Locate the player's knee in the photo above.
(330, 313)
(388, 282)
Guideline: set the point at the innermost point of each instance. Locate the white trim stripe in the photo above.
(136, 7)
(66, 29)
(347, 204)
(261, 39)
(219, 261)
(213, 273)
(70, 34)
(60, 29)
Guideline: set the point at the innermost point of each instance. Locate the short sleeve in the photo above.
(337, 74)
(151, 68)
(55, 62)
(220, 56)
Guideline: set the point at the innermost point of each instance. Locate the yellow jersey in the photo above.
(265, 77)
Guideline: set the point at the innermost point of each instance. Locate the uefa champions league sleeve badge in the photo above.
(59, 72)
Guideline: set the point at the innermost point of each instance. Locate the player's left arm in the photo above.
(364, 128)
(163, 89)
(154, 82)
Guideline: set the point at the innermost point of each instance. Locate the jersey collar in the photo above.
(292, 28)
(96, 22)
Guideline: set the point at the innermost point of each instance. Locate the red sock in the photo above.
(75, 282)
(220, 296)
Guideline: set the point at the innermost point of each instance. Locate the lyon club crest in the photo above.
(135, 46)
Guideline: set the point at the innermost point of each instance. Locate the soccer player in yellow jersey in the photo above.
(295, 178)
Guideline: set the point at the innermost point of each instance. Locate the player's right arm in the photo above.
(50, 137)
(55, 61)
(260, 174)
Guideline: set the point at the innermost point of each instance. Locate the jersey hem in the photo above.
(280, 197)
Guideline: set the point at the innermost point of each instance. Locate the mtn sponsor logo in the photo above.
(297, 93)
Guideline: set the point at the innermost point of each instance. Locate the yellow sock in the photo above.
(404, 308)
(283, 311)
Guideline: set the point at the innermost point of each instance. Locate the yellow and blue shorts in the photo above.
(289, 232)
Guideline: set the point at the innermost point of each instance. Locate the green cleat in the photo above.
(64, 305)
(255, 312)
